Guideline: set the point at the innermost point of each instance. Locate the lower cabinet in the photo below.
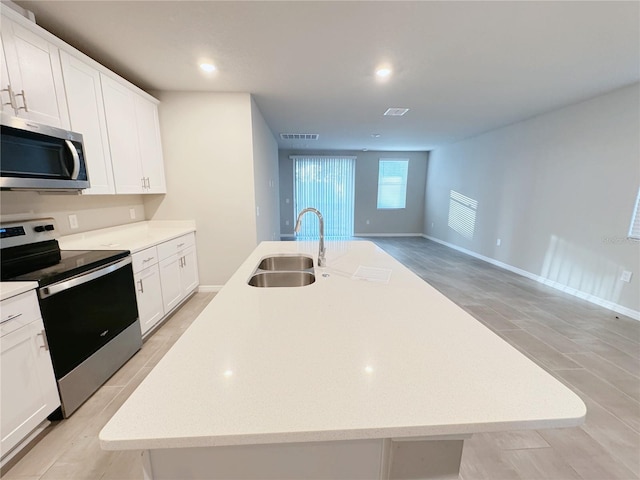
(179, 275)
(164, 276)
(29, 391)
(149, 295)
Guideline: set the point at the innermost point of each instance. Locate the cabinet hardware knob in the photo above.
(45, 344)
(24, 101)
(12, 98)
(11, 317)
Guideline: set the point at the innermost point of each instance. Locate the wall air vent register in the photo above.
(299, 136)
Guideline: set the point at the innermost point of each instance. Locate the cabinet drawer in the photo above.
(144, 259)
(18, 311)
(176, 245)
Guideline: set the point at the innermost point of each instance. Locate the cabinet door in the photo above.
(170, 280)
(123, 137)
(29, 392)
(149, 295)
(189, 271)
(86, 112)
(150, 146)
(5, 84)
(36, 76)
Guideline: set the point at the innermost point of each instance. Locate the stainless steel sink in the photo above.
(282, 279)
(286, 262)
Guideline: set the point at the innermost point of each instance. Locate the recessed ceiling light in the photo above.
(208, 67)
(375, 135)
(383, 72)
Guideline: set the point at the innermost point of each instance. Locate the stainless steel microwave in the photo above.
(40, 157)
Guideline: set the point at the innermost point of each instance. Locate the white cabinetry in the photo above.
(28, 386)
(134, 139)
(32, 82)
(178, 269)
(146, 275)
(86, 113)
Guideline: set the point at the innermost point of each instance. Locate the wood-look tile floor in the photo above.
(592, 350)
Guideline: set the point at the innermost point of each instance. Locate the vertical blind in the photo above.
(328, 185)
(392, 183)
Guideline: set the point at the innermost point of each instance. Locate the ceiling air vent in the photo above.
(396, 112)
(299, 136)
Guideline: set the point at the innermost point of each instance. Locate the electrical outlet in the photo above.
(368, 222)
(286, 200)
(73, 222)
(132, 213)
(626, 276)
(498, 242)
(432, 224)
(286, 222)
(257, 211)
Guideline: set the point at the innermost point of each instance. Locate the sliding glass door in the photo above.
(327, 184)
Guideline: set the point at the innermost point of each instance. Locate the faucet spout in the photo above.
(321, 250)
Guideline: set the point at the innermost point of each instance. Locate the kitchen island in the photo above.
(369, 372)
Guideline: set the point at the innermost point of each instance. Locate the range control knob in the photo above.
(49, 227)
(39, 228)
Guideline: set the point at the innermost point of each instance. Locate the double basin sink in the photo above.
(283, 271)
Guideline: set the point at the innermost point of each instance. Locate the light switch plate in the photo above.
(626, 276)
(132, 213)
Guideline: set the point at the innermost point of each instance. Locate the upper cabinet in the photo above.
(47, 81)
(134, 138)
(32, 84)
(86, 113)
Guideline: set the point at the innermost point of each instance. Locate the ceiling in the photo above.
(462, 68)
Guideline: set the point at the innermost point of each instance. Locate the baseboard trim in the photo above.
(209, 288)
(635, 314)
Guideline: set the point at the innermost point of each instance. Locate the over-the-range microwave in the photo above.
(39, 157)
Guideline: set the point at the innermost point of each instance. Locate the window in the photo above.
(634, 228)
(328, 185)
(392, 183)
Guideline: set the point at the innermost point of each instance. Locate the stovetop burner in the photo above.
(72, 263)
(30, 252)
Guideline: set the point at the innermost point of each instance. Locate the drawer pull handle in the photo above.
(147, 260)
(24, 101)
(11, 317)
(45, 344)
(180, 245)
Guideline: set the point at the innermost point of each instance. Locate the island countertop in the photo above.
(344, 358)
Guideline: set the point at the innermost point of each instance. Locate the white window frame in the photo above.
(634, 227)
(385, 185)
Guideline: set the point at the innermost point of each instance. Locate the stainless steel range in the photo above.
(87, 300)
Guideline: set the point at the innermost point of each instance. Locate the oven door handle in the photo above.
(47, 291)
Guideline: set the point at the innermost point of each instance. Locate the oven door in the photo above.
(83, 314)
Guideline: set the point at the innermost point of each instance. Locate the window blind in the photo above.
(328, 185)
(392, 183)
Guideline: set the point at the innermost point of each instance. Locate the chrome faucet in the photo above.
(321, 251)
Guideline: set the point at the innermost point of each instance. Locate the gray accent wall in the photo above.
(405, 221)
(558, 190)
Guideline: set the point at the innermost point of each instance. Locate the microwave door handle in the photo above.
(76, 159)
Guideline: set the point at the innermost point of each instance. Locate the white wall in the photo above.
(93, 211)
(209, 160)
(266, 182)
(408, 220)
(557, 189)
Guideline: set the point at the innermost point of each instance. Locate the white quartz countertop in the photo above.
(133, 236)
(11, 289)
(340, 359)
